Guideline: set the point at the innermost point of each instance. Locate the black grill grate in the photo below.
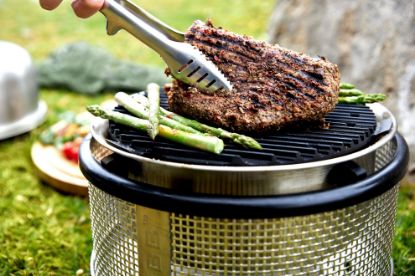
(351, 128)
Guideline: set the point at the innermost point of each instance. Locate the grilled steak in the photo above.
(272, 87)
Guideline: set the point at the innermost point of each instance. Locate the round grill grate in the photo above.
(351, 128)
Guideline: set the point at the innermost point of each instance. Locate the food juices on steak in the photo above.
(272, 87)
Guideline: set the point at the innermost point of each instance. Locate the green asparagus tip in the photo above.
(346, 85)
(378, 97)
(94, 110)
(247, 142)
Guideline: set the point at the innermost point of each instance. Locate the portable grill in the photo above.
(312, 202)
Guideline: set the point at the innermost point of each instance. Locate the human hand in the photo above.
(82, 8)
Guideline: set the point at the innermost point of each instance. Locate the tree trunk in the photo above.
(373, 42)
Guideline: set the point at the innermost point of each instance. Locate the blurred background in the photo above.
(46, 232)
(39, 31)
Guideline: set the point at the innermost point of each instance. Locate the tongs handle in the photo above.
(186, 63)
(122, 14)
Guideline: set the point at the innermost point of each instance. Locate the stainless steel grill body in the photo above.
(356, 239)
(165, 218)
(349, 241)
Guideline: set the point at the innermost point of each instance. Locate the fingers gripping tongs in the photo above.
(186, 63)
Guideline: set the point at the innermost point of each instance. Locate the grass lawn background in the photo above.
(43, 232)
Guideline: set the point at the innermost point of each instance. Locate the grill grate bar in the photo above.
(350, 128)
(352, 118)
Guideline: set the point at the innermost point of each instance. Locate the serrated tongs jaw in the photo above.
(186, 63)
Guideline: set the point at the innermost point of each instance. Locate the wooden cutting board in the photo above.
(57, 171)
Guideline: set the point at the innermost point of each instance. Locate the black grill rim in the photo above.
(246, 207)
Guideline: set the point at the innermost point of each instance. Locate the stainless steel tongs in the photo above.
(186, 63)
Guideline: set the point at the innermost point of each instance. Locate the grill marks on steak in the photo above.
(272, 87)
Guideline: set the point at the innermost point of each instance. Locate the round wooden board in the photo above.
(57, 171)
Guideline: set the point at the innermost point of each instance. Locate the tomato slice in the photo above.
(70, 151)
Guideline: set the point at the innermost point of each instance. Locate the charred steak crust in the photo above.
(272, 87)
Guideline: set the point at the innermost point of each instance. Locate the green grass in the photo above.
(44, 232)
(404, 244)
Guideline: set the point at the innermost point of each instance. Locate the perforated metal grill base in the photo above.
(93, 258)
(356, 240)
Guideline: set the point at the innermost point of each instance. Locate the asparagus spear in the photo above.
(118, 117)
(235, 137)
(365, 98)
(350, 92)
(200, 141)
(203, 142)
(138, 110)
(153, 94)
(345, 85)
